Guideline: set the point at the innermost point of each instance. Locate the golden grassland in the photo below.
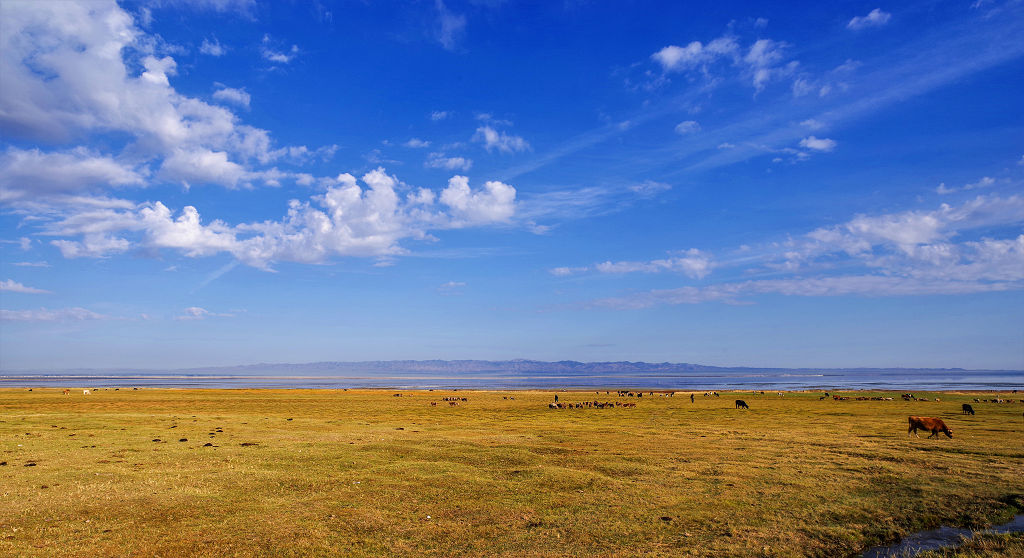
(365, 473)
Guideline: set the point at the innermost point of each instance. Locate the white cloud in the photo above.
(505, 143)
(346, 220)
(494, 204)
(692, 263)
(31, 264)
(416, 143)
(203, 167)
(16, 287)
(649, 188)
(235, 6)
(896, 254)
(440, 161)
(687, 127)
(813, 124)
(236, 96)
(451, 287)
(66, 76)
(761, 62)
(875, 18)
(985, 182)
(274, 55)
(213, 48)
(197, 313)
(439, 115)
(676, 59)
(45, 315)
(450, 26)
(33, 173)
(816, 144)
(726, 145)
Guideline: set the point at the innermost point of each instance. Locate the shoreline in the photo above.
(572, 390)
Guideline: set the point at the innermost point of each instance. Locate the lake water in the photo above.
(696, 381)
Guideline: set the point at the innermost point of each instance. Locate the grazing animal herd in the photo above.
(916, 423)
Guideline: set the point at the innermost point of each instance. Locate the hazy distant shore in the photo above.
(522, 374)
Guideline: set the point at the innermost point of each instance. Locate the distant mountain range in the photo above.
(511, 367)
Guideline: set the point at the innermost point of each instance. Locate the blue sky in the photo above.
(213, 182)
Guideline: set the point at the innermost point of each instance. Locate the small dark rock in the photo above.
(156, 439)
(290, 419)
(246, 444)
(666, 518)
(183, 440)
(30, 464)
(207, 444)
(399, 428)
(44, 486)
(3, 463)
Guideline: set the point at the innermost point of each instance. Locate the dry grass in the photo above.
(363, 473)
(981, 545)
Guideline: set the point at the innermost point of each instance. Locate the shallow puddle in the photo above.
(933, 539)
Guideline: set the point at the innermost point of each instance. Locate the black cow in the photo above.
(966, 409)
(741, 404)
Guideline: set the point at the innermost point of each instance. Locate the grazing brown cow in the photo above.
(929, 424)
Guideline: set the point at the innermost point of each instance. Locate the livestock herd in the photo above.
(928, 424)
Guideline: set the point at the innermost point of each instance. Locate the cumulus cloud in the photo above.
(346, 220)
(495, 203)
(45, 315)
(438, 115)
(213, 48)
(235, 96)
(761, 62)
(676, 59)
(280, 56)
(13, 286)
(202, 166)
(687, 127)
(505, 143)
(29, 173)
(875, 18)
(440, 161)
(416, 143)
(818, 144)
(66, 76)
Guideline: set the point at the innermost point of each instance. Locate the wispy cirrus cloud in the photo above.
(75, 314)
(914, 252)
(198, 313)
